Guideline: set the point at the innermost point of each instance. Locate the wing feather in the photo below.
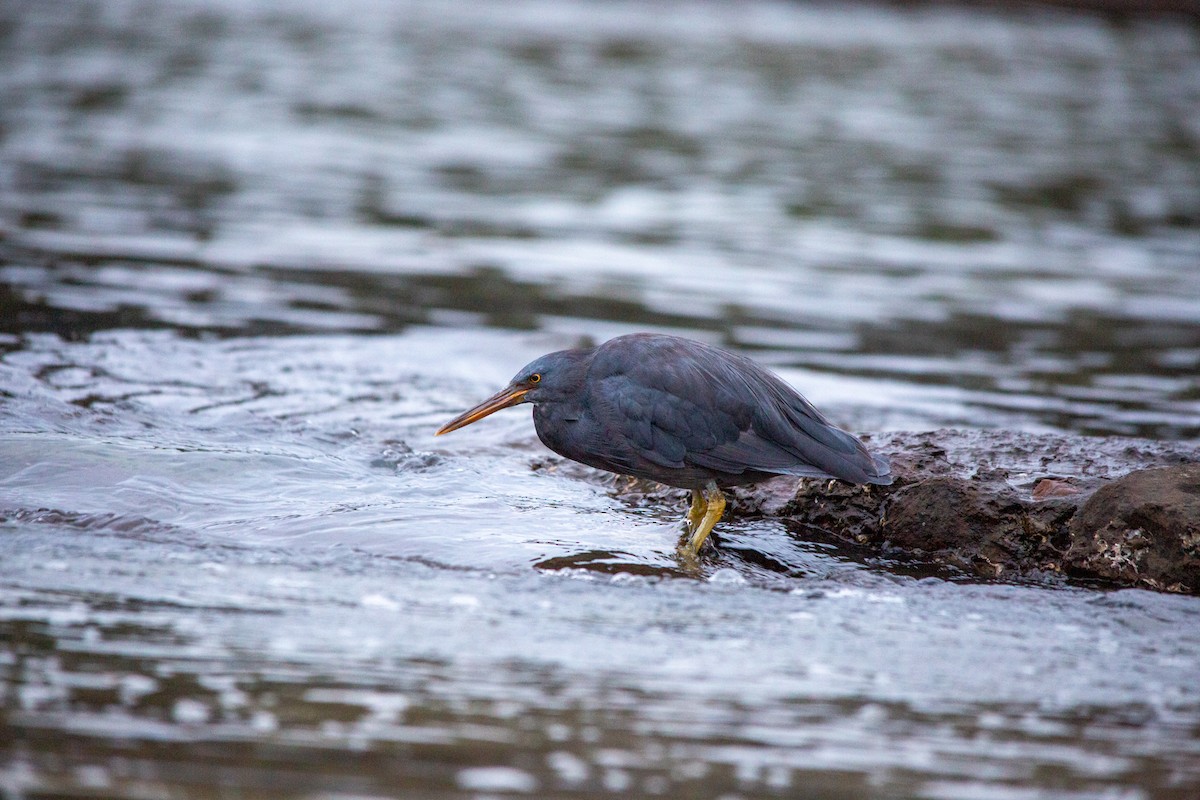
(682, 404)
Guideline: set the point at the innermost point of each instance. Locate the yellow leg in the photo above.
(714, 500)
(696, 512)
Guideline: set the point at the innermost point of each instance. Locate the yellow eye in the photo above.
(535, 378)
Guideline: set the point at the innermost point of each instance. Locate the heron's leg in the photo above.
(714, 500)
(696, 512)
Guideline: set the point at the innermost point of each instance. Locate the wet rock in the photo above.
(1054, 487)
(1016, 506)
(1143, 528)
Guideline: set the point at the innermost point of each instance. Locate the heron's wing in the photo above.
(656, 424)
(792, 423)
(707, 408)
(751, 452)
(785, 434)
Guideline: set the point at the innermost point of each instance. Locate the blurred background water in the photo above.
(253, 252)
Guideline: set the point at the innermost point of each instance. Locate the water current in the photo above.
(253, 253)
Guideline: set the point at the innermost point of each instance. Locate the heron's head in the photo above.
(552, 377)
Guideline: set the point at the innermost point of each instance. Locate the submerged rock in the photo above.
(1016, 506)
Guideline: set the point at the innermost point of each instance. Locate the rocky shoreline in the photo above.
(1013, 506)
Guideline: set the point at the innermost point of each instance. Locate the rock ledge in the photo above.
(998, 505)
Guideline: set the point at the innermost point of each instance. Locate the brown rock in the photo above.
(1017, 506)
(1143, 529)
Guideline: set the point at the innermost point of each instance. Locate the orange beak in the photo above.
(506, 397)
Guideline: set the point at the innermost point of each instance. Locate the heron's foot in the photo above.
(691, 524)
(688, 562)
(711, 503)
(696, 512)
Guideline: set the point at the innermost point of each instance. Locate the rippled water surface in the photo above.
(253, 253)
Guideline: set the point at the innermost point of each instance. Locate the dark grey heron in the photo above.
(681, 413)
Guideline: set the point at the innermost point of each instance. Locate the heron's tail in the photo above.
(882, 474)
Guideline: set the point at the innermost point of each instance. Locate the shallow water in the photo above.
(252, 254)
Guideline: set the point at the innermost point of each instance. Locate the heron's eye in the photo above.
(535, 377)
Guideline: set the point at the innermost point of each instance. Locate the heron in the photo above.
(682, 413)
